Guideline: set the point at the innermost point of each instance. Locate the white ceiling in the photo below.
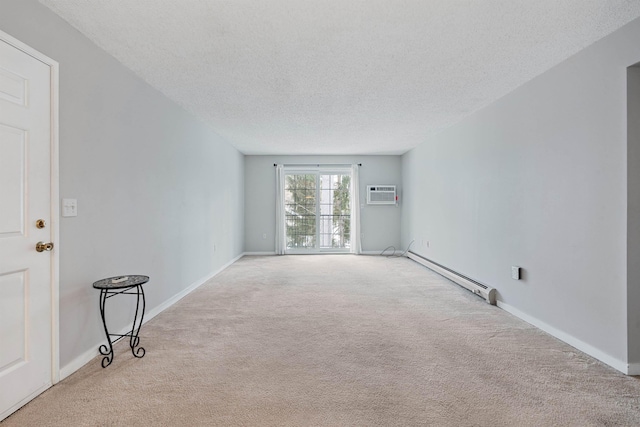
(339, 76)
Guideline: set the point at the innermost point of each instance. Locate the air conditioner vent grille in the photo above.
(381, 195)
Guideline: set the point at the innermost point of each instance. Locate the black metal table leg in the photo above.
(134, 339)
(106, 352)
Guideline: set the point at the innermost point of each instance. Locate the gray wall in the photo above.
(633, 212)
(538, 179)
(380, 224)
(156, 189)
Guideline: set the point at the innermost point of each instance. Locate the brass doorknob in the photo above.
(41, 246)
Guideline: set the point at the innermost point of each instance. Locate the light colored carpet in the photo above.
(339, 341)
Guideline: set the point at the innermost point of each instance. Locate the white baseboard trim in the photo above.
(78, 362)
(273, 253)
(572, 341)
(162, 307)
(89, 355)
(633, 369)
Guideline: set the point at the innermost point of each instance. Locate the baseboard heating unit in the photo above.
(477, 288)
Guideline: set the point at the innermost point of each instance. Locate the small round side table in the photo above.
(122, 285)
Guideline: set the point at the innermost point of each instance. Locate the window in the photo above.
(317, 208)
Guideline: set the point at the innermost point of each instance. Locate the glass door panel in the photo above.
(300, 195)
(335, 212)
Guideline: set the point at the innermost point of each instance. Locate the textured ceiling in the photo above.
(339, 76)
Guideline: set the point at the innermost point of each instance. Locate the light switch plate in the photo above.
(515, 272)
(69, 207)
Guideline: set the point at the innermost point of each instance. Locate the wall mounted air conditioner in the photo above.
(381, 195)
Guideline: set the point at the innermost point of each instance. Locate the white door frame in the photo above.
(55, 191)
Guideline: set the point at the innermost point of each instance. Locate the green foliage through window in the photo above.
(313, 223)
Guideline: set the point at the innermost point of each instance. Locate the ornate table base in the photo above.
(128, 285)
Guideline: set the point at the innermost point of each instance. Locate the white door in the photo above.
(25, 198)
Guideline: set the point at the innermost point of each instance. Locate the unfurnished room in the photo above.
(329, 213)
